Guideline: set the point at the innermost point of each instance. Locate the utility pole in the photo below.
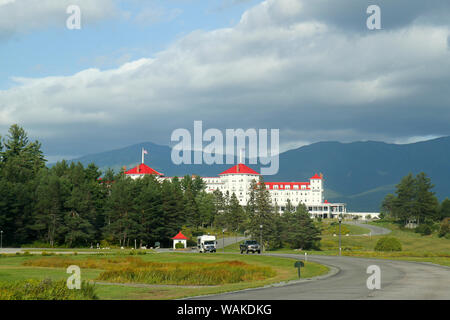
(340, 221)
(260, 237)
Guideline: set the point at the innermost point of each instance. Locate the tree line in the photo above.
(414, 201)
(72, 205)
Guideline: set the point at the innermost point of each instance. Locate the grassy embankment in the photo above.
(159, 275)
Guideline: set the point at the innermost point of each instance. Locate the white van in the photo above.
(206, 243)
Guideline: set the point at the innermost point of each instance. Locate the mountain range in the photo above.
(358, 173)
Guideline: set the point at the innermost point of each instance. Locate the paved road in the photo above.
(375, 230)
(399, 280)
(229, 241)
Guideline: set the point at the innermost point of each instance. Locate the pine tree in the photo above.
(235, 214)
(299, 230)
(426, 205)
(173, 205)
(49, 209)
(404, 203)
(265, 216)
(206, 208)
(121, 212)
(20, 162)
(444, 209)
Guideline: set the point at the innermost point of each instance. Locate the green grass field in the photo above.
(14, 268)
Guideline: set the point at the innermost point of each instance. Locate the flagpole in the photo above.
(142, 154)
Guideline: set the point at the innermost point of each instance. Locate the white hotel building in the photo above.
(238, 178)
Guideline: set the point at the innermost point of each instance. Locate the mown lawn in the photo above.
(12, 268)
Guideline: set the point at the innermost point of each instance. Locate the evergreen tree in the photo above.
(444, 209)
(388, 205)
(235, 214)
(404, 203)
(20, 162)
(48, 215)
(173, 207)
(123, 219)
(206, 208)
(266, 216)
(426, 204)
(299, 230)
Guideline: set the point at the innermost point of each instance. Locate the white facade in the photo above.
(238, 180)
(308, 193)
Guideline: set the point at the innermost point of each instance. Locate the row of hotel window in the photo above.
(286, 187)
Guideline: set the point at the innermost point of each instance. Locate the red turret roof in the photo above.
(240, 169)
(180, 236)
(316, 176)
(143, 169)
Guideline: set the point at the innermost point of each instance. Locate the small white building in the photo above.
(180, 238)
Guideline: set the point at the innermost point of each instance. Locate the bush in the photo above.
(179, 245)
(388, 244)
(424, 229)
(444, 229)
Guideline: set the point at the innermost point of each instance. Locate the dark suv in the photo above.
(250, 246)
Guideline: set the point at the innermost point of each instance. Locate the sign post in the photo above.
(298, 265)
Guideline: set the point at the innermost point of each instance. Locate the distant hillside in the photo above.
(362, 173)
(358, 173)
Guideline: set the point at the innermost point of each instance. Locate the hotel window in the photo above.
(296, 187)
(287, 187)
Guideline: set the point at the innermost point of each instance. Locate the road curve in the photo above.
(375, 230)
(399, 280)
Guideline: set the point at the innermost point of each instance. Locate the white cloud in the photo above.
(272, 70)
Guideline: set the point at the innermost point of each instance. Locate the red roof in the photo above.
(316, 176)
(326, 201)
(240, 169)
(180, 236)
(143, 169)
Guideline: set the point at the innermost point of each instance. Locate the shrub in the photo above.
(388, 244)
(444, 229)
(179, 245)
(424, 229)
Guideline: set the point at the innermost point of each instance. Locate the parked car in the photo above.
(250, 246)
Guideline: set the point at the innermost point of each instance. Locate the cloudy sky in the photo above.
(139, 69)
